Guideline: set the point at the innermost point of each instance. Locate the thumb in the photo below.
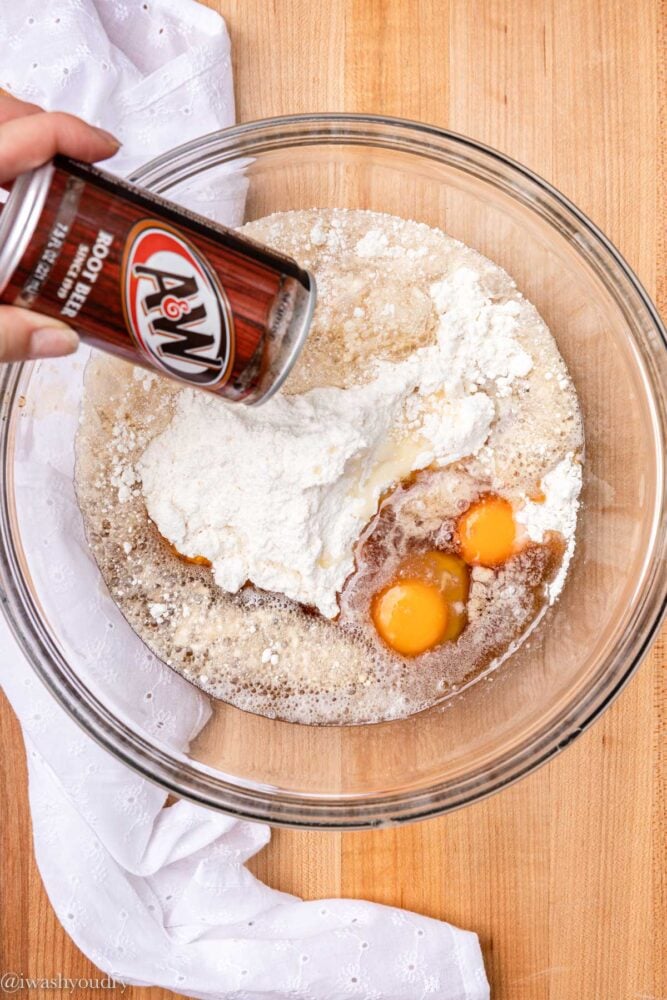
(26, 335)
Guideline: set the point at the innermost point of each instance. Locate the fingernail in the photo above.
(108, 137)
(52, 342)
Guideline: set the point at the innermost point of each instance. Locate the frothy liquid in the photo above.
(270, 655)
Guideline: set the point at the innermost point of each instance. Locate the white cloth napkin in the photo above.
(156, 895)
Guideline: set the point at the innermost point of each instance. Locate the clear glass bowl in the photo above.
(502, 726)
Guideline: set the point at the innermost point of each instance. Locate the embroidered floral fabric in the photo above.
(157, 895)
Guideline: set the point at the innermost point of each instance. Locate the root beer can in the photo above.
(155, 284)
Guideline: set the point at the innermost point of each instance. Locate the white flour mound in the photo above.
(561, 487)
(278, 495)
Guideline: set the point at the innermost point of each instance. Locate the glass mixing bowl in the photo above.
(500, 727)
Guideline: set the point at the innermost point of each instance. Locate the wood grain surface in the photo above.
(563, 875)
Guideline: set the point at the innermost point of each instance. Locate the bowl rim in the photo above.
(250, 800)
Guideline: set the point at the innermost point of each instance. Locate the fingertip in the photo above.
(111, 141)
(52, 342)
(74, 137)
(29, 141)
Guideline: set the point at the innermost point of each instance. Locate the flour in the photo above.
(373, 243)
(278, 495)
(477, 332)
(557, 512)
(422, 355)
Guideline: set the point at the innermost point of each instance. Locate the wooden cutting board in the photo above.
(564, 875)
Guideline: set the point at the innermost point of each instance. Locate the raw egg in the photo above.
(194, 560)
(486, 532)
(425, 605)
(411, 616)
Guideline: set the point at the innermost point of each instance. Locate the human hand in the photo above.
(30, 137)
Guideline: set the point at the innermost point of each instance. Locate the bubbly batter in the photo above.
(382, 531)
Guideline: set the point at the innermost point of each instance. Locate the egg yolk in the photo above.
(411, 616)
(451, 575)
(194, 560)
(425, 605)
(486, 532)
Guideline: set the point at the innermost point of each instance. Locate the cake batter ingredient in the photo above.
(411, 616)
(486, 532)
(428, 385)
(425, 605)
(556, 511)
(278, 495)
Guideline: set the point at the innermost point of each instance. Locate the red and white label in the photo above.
(175, 307)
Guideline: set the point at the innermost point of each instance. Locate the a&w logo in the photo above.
(174, 306)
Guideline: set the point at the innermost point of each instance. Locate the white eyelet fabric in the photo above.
(155, 895)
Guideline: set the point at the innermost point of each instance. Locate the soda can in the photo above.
(148, 281)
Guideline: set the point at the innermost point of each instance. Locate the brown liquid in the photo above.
(401, 530)
(264, 653)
